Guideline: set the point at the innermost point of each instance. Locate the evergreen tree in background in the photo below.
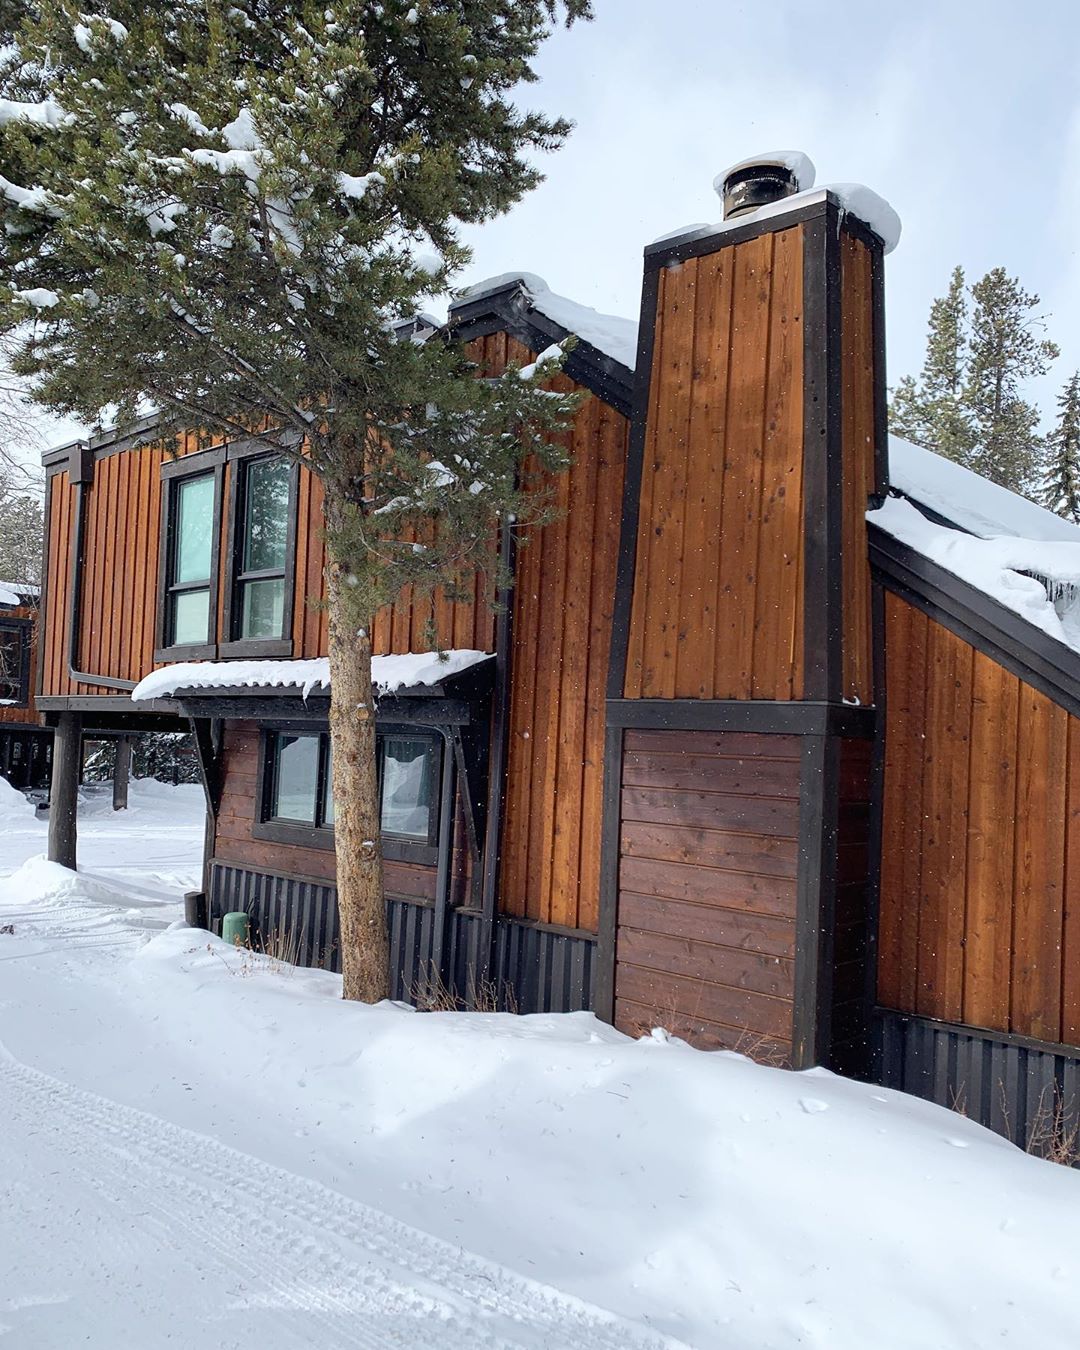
(983, 343)
(21, 534)
(220, 207)
(932, 412)
(1062, 490)
(1005, 350)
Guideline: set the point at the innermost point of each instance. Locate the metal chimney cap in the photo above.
(762, 180)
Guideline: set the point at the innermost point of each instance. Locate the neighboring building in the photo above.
(25, 743)
(729, 760)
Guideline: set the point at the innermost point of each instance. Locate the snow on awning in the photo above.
(390, 674)
(17, 592)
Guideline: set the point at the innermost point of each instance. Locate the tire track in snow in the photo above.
(335, 1272)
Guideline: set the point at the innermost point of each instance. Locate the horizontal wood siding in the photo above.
(27, 716)
(980, 904)
(563, 600)
(707, 887)
(857, 410)
(717, 602)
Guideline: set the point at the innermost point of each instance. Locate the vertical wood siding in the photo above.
(980, 902)
(707, 887)
(717, 605)
(857, 408)
(563, 600)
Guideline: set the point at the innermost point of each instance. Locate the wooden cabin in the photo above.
(25, 743)
(743, 754)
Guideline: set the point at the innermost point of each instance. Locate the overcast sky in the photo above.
(965, 115)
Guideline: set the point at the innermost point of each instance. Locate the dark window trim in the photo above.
(395, 848)
(173, 473)
(22, 628)
(241, 456)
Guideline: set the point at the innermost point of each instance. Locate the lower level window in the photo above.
(13, 664)
(300, 788)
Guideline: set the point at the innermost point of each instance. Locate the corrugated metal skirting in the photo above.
(1027, 1093)
(535, 969)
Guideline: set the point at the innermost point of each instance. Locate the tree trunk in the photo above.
(364, 944)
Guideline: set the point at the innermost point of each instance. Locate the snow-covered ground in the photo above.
(202, 1148)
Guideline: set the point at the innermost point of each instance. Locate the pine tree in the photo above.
(220, 207)
(1062, 490)
(21, 535)
(931, 412)
(967, 403)
(1006, 350)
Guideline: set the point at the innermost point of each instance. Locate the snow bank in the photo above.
(14, 807)
(968, 499)
(1037, 579)
(713, 1199)
(609, 334)
(390, 674)
(8, 596)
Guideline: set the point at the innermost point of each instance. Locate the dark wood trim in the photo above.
(285, 704)
(631, 499)
(499, 756)
(712, 238)
(444, 858)
(758, 715)
(978, 619)
(610, 822)
(881, 391)
(822, 597)
(510, 309)
(189, 466)
(58, 703)
(815, 901)
(471, 745)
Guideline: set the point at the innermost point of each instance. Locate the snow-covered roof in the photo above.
(969, 500)
(390, 674)
(608, 333)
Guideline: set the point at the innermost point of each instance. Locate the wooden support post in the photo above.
(121, 774)
(64, 794)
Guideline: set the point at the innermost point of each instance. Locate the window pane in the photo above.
(267, 502)
(329, 814)
(10, 664)
(408, 786)
(263, 609)
(194, 528)
(296, 776)
(191, 617)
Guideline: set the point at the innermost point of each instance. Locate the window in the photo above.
(262, 534)
(190, 556)
(14, 663)
(297, 797)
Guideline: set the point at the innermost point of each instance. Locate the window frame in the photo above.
(174, 474)
(396, 848)
(21, 627)
(241, 457)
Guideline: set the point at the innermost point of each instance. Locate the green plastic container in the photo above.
(234, 928)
